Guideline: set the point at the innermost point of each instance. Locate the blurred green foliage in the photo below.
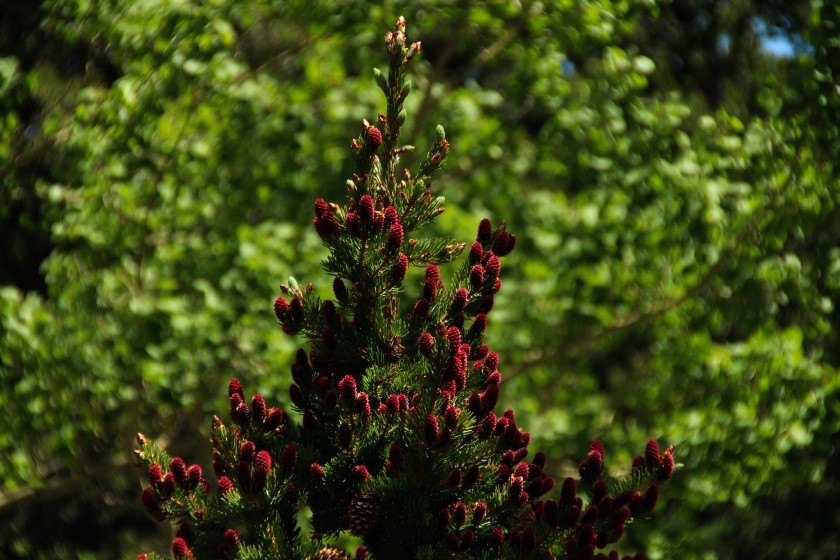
(673, 186)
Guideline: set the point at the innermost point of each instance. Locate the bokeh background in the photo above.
(670, 169)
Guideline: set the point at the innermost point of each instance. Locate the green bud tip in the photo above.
(381, 81)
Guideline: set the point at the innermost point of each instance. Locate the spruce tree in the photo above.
(394, 438)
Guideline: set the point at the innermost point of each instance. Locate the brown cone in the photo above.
(362, 513)
(329, 553)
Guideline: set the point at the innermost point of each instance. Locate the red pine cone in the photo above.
(275, 417)
(347, 388)
(649, 498)
(378, 221)
(258, 408)
(443, 517)
(328, 311)
(453, 335)
(317, 472)
(485, 232)
(360, 473)
(149, 499)
(241, 414)
(491, 361)
(296, 395)
(433, 273)
(474, 404)
(486, 304)
(478, 327)
(247, 450)
(476, 252)
(454, 478)
(340, 290)
(425, 344)
(366, 209)
(399, 270)
(459, 300)
(395, 236)
(280, 310)
(235, 387)
(490, 397)
(155, 475)
(429, 289)
(479, 511)
(497, 285)
(470, 477)
(529, 539)
(180, 548)
(567, 492)
(652, 454)
(374, 137)
(194, 476)
(599, 490)
(362, 405)
(225, 485)
(451, 415)
(263, 460)
(497, 535)
(231, 537)
(459, 513)
(493, 267)
(351, 224)
(476, 276)
(667, 467)
(288, 458)
(421, 309)
(296, 309)
(321, 207)
(430, 429)
(504, 244)
(178, 469)
(326, 225)
(167, 487)
(390, 216)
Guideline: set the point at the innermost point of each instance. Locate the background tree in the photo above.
(677, 258)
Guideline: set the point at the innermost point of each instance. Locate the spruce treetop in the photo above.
(395, 442)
